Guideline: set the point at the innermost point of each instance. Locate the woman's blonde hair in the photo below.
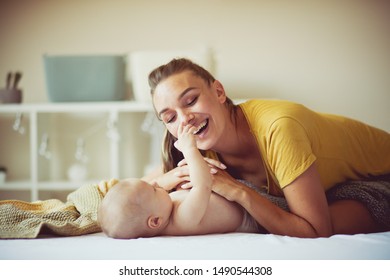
(170, 155)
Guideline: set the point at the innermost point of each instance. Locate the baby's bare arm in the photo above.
(221, 216)
(191, 211)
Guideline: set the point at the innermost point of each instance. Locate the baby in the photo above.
(134, 208)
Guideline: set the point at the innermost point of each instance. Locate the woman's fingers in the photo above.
(215, 163)
(226, 186)
(211, 162)
(181, 171)
(184, 171)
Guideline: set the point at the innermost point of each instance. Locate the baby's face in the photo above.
(157, 199)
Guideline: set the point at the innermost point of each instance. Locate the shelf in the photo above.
(77, 107)
(116, 141)
(45, 186)
(63, 185)
(15, 186)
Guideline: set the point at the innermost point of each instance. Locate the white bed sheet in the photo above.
(231, 246)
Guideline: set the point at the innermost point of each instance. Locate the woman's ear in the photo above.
(154, 222)
(221, 95)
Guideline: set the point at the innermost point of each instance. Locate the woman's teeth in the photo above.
(202, 125)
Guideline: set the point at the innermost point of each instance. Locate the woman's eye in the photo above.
(192, 101)
(170, 119)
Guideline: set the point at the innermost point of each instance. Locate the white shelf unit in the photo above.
(98, 124)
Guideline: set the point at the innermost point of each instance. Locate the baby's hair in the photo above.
(121, 216)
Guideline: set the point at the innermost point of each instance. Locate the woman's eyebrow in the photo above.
(180, 97)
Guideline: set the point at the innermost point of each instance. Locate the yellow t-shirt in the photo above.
(291, 138)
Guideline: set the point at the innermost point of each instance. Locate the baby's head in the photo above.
(134, 208)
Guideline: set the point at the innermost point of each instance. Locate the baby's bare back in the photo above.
(221, 215)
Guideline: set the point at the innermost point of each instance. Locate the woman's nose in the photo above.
(187, 118)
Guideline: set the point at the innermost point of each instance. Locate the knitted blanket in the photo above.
(373, 193)
(76, 216)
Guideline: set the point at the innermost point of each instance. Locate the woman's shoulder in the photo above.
(267, 111)
(274, 105)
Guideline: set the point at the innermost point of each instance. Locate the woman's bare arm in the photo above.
(309, 216)
(151, 177)
(171, 180)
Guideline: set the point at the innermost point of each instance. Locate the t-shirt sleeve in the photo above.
(289, 151)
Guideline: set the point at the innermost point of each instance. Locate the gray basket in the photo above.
(85, 78)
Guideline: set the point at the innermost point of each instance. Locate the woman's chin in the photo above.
(204, 145)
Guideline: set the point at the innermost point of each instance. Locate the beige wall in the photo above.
(333, 56)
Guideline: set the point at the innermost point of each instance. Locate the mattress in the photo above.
(230, 246)
(216, 256)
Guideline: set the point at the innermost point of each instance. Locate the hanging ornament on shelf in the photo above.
(78, 171)
(80, 154)
(112, 130)
(17, 126)
(44, 150)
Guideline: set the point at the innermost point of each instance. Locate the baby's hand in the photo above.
(186, 137)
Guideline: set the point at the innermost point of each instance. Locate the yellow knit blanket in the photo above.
(76, 216)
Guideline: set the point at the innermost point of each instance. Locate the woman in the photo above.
(291, 150)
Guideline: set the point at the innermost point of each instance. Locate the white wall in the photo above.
(330, 55)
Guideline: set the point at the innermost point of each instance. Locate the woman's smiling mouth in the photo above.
(201, 127)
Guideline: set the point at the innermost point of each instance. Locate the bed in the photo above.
(68, 230)
(230, 246)
(28, 246)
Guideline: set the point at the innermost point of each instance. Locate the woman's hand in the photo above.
(226, 186)
(210, 162)
(173, 178)
(215, 165)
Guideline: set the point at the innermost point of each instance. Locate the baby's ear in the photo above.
(154, 222)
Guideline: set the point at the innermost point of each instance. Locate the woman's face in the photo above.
(188, 99)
